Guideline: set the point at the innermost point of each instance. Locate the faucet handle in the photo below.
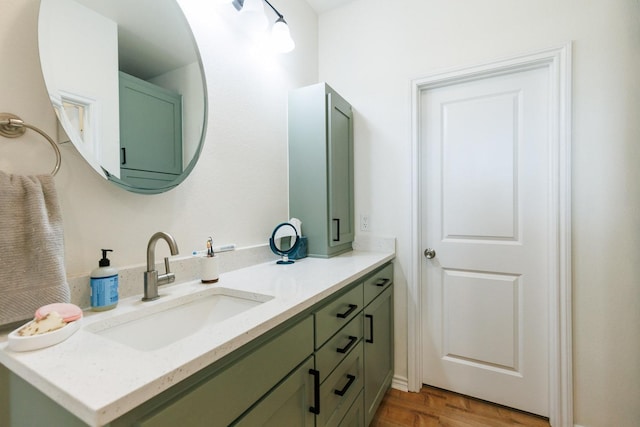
(168, 277)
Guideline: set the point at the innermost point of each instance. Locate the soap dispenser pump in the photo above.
(104, 284)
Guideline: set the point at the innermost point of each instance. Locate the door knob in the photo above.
(429, 253)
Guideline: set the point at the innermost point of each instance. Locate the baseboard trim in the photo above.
(402, 384)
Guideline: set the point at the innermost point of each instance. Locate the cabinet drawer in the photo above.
(341, 388)
(377, 282)
(335, 315)
(355, 415)
(225, 396)
(338, 347)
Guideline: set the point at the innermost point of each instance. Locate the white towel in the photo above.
(32, 270)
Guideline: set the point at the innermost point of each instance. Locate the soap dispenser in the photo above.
(104, 284)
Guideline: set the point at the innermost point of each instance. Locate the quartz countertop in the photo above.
(98, 379)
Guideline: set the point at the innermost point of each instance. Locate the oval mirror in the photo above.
(126, 81)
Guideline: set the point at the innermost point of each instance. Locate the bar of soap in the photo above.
(50, 322)
(69, 312)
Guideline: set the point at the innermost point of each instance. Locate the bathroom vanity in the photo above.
(315, 348)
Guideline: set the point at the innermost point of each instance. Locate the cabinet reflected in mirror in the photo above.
(126, 82)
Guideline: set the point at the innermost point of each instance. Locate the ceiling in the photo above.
(144, 50)
(321, 6)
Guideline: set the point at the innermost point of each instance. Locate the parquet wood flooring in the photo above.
(433, 407)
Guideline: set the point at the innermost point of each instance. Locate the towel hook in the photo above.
(12, 126)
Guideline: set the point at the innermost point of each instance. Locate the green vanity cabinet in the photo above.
(150, 133)
(354, 350)
(317, 369)
(321, 168)
(323, 356)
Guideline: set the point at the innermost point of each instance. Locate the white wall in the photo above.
(67, 38)
(369, 52)
(238, 190)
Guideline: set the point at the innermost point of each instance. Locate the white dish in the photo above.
(35, 342)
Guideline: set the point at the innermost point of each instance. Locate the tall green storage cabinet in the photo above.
(321, 168)
(150, 133)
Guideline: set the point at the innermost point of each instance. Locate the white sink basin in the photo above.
(159, 323)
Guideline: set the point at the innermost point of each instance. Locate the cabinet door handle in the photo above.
(346, 314)
(352, 341)
(352, 378)
(337, 238)
(370, 317)
(382, 282)
(123, 150)
(315, 409)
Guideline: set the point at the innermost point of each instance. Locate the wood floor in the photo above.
(436, 407)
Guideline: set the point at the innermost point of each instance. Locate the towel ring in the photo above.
(12, 126)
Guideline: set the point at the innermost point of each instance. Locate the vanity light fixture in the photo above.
(253, 16)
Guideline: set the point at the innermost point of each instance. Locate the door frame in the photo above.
(557, 62)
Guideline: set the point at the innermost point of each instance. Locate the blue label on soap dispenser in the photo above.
(104, 291)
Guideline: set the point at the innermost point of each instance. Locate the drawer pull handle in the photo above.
(337, 238)
(346, 314)
(370, 317)
(382, 282)
(352, 378)
(352, 341)
(315, 409)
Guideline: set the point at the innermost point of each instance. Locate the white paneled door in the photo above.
(485, 180)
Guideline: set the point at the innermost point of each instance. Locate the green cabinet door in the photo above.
(150, 130)
(378, 351)
(286, 405)
(355, 416)
(340, 133)
(321, 168)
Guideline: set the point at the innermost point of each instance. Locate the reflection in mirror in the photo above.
(126, 82)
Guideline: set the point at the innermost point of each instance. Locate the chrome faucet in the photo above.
(151, 278)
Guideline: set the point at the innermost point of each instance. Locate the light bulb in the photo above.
(281, 37)
(252, 15)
